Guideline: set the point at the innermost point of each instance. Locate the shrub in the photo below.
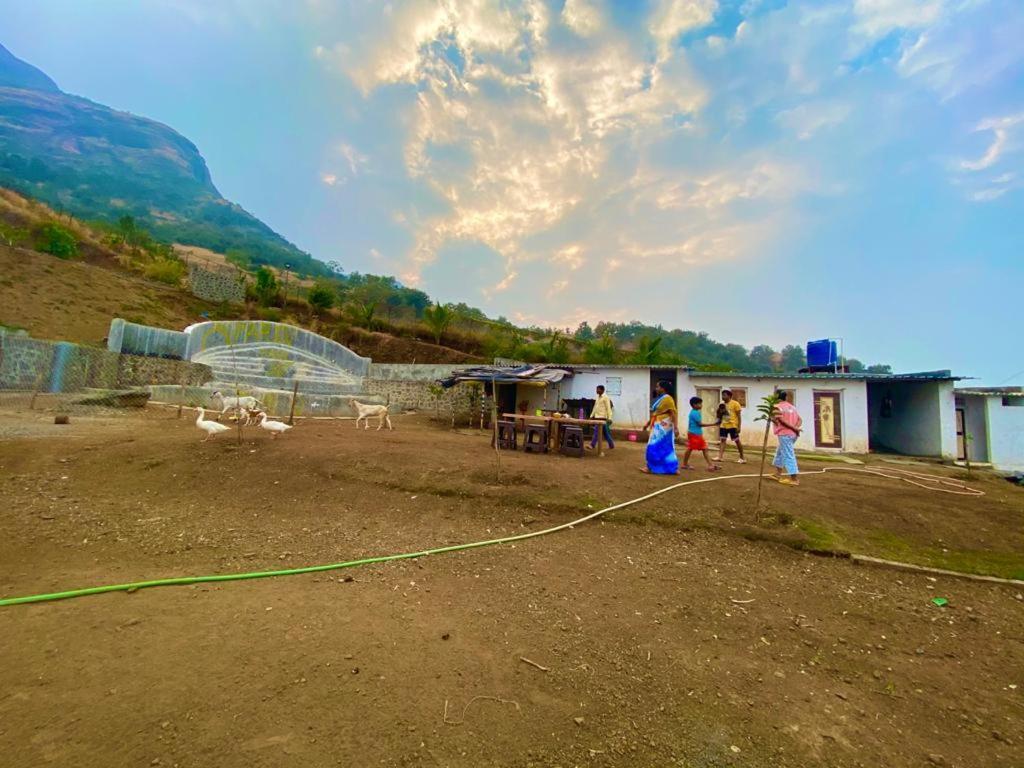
(320, 298)
(12, 235)
(268, 290)
(269, 313)
(56, 240)
(168, 271)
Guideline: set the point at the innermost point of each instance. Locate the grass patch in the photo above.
(1007, 565)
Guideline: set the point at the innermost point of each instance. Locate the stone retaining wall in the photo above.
(216, 284)
(60, 366)
(425, 396)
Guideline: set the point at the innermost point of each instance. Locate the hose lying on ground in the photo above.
(937, 483)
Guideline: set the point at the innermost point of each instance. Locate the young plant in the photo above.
(768, 410)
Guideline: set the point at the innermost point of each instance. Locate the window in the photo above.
(739, 394)
(1013, 402)
(613, 385)
(790, 395)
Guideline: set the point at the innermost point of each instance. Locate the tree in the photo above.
(267, 287)
(556, 350)
(793, 358)
(55, 240)
(879, 368)
(438, 319)
(584, 332)
(768, 409)
(603, 351)
(648, 351)
(365, 298)
(762, 358)
(320, 297)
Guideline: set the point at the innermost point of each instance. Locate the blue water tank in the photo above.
(823, 353)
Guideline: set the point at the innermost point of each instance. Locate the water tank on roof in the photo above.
(823, 353)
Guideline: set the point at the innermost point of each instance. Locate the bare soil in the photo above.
(675, 632)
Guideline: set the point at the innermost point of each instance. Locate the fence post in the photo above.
(291, 412)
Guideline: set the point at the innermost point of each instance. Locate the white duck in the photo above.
(275, 428)
(211, 428)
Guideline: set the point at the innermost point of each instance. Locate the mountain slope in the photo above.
(97, 162)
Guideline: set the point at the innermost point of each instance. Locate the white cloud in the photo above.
(809, 118)
(984, 176)
(671, 18)
(875, 19)
(583, 17)
(329, 179)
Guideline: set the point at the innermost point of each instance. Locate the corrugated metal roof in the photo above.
(943, 375)
(991, 391)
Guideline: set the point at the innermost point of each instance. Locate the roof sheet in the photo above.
(991, 391)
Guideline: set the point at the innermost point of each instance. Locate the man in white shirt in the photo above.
(602, 410)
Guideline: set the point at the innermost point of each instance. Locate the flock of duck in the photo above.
(214, 428)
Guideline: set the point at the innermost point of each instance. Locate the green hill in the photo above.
(98, 163)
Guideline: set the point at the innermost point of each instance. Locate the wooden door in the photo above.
(828, 431)
(711, 397)
(961, 439)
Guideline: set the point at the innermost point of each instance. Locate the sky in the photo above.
(765, 171)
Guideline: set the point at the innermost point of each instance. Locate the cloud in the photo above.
(983, 175)
(671, 18)
(583, 17)
(809, 118)
(875, 19)
(329, 179)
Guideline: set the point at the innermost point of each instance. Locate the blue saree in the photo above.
(661, 447)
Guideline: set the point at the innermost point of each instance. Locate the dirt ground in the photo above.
(671, 633)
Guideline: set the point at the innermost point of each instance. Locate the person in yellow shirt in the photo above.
(729, 427)
(602, 410)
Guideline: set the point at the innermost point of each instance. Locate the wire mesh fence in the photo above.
(57, 375)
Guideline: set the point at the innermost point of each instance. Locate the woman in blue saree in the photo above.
(664, 426)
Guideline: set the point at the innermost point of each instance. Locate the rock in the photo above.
(936, 759)
(578, 720)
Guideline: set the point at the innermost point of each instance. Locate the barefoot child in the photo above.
(695, 437)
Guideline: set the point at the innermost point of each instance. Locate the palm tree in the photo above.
(438, 319)
(768, 410)
(648, 351)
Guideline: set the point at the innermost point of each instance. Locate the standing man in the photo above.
(787, 428)
(602, 410)
(732, 421)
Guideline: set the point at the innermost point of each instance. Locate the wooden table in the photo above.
(524, 417)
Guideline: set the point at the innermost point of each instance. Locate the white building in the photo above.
(911, 413)
(990, 426)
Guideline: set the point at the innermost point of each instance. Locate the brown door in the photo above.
(828, 432)
(961, 441)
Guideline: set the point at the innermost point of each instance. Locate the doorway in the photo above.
(961, 435)
(665, 374)
(828, 432)
(710, 397)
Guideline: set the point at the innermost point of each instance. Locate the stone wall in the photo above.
(429, 372)
(60, 366)
(425, 396)
(216, 284)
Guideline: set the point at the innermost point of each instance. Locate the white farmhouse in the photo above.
(911, 413)
(990, 426)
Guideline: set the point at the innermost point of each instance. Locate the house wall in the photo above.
(975, 417)
(1006, 434)
(632, 406)
(852, 403)
(923, 421)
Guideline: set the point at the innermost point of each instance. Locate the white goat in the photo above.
(364, 412)
(239, 404)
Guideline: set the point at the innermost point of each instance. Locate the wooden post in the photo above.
(494, 427)
(291, 412)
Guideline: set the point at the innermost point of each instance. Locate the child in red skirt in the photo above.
(695, 437)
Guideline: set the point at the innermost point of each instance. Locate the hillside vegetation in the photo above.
(46, 289)
(101, 164)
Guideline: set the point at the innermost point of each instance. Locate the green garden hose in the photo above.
(184, 580)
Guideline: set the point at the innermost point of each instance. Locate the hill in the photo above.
(98, 163)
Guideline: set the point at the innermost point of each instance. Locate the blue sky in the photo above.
(768, 172)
